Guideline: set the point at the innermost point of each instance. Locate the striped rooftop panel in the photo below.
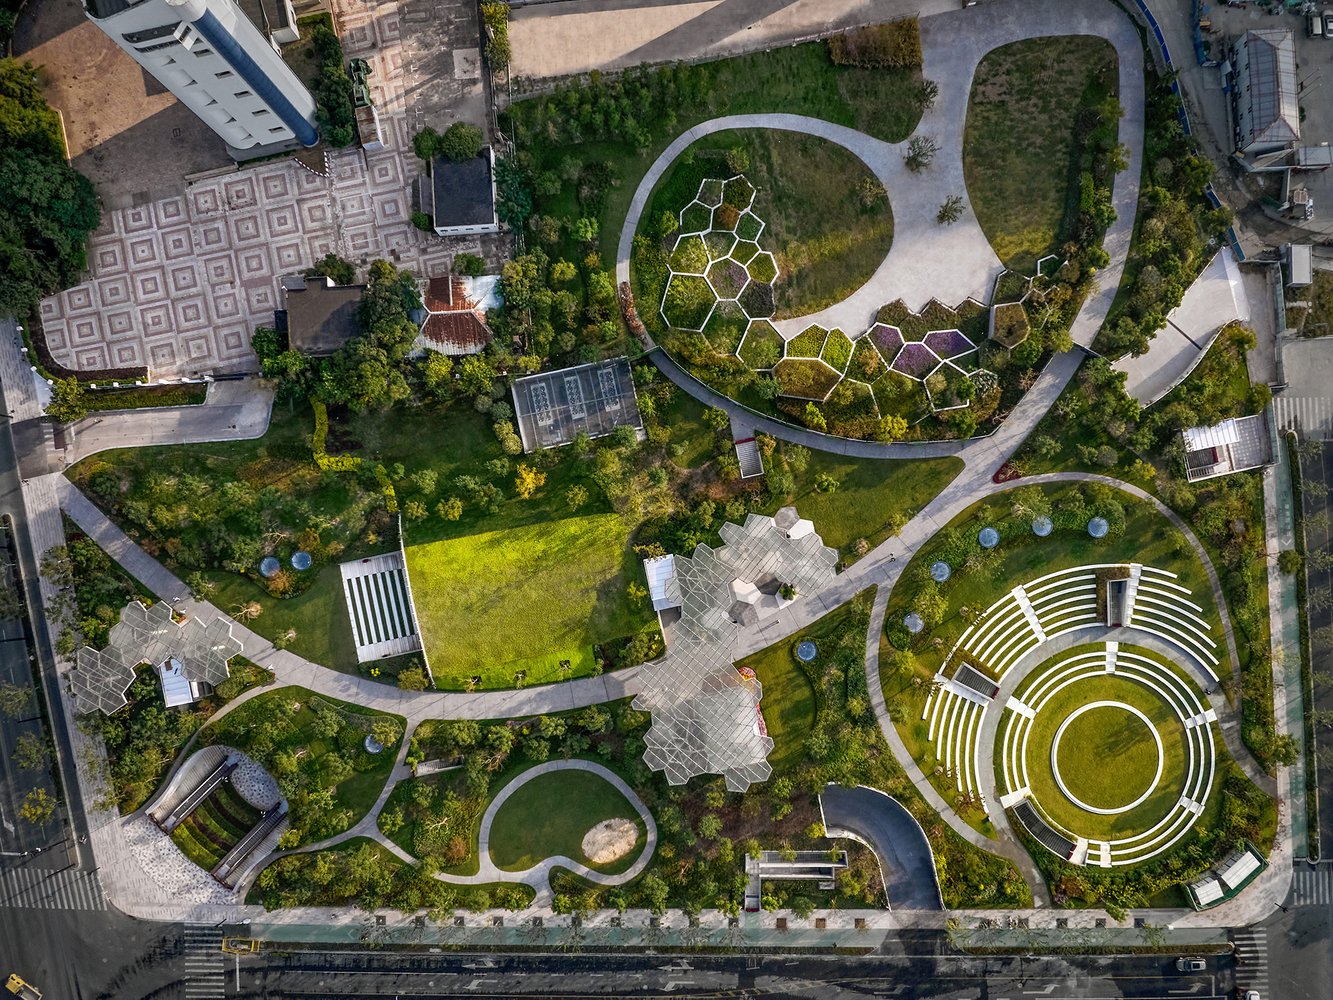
(377, 603)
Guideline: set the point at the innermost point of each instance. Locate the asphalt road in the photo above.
(899, 843)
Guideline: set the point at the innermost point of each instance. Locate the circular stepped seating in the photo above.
(1031, 614)
(1200, 749)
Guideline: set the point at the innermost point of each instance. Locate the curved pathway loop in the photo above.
(539, 875)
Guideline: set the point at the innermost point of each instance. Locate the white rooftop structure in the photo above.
(176, 690)
(149, 635)
(705, 713)
(658, 570)
(1207, 890)
(1234, 445)
(1236, 870)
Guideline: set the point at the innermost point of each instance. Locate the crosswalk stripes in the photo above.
(49, 889)
(1312, 415)
(1312, 886)
(1251, 960)
(205, 977)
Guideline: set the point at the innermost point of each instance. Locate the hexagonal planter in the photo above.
(749, 226)
(945, 399)
(762, 346)
(805, 378)
(726, 327)
(739, 192)
(763, 268)
(744, 252)
(725, 217)
(1009, 324)
(887, 340)
(719, 243)
(687, 302)
(710, 192)
(690, 256)
(727, 278)
(695, 218)
(808, 343)
(867, 365)
(837, 351)
(757, 300)
(948, 343)
(915, 360)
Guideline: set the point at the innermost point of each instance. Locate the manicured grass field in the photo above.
(870, 492)
(1113, 780)
(1107, 757)
(490, 599)
(1020, 143)
(318, 616)
(549, 816)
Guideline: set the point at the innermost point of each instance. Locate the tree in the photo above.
(37, 807)
(891, 428)
(451, 509)
(412, 679)
(475, 375)
(461, 141)
(14, 699)
(332, 266)
(625, 437)
(951, 211)
(576, 496)
(529, 481)
(637, 594)
(584, 230)
(562, 271)
(710, 826)
(30, 752)
(824, 483)
(385, 732)
(1289, 561)
(437, 372)
(415, 510)
(717, 418)
(921, 152)
(67, 403)
(814, 419)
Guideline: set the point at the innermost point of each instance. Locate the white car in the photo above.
(1251, 995)
(1190, 965)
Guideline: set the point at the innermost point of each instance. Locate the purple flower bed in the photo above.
(915, 360)
(887, 339)
(948, 343)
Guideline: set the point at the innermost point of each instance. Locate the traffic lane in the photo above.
(894, 836)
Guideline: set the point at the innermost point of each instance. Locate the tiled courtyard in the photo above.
(179, 284)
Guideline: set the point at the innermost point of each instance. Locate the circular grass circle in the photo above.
(1094, 769)
(1107, 757)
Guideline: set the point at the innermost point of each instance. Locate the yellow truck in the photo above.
(21, 989)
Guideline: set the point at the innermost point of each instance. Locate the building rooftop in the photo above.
(1234, 445)
(321, 316)
(1271, 87)
(453, 323)
(462, 193)
(553, 407)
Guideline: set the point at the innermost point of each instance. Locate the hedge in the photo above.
(1307, 665)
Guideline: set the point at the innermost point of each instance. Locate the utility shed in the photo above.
(1298, 265)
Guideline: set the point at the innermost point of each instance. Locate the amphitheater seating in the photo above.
(955, 716)
(1194, 715)
(1163, 608)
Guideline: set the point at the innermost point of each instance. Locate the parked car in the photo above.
(1328, 25)
(1190, 965)
(1314, 25)
(20, 989)
(1251, 995)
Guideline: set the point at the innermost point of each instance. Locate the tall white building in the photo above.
(219, 63)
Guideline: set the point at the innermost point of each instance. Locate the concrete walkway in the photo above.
(928, 260)
(233, 411)
(539, 875)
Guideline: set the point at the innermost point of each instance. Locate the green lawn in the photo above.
(1107, 757)
(280, 738)
(871, 492)
(318, 616)
(490, 599)
(826, 240)
(1114, 777)
(549, 816)
(1020, 143)
(685, 416)
(788, 701)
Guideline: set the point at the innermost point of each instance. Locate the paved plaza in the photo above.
(179, 284)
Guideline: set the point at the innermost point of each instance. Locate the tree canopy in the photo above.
(47, 209)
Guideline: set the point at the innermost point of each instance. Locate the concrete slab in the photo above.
(1216, 298)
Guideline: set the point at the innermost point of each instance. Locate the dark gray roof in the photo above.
(1275, 113)
(266, 15)
(553, 407)
(322, 316)
(462, 192)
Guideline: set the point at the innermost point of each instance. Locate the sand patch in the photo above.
(610, 840)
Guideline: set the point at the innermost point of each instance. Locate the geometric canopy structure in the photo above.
(148, 635)
(705, 713)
